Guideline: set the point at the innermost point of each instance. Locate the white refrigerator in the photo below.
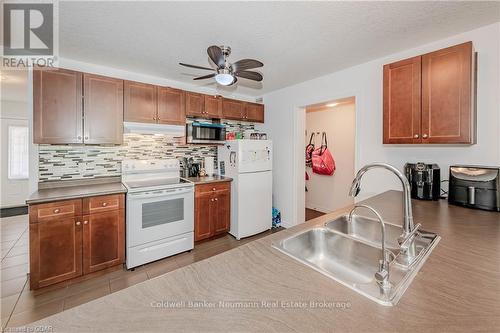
(250, 164)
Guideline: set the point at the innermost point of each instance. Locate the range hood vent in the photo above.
(175, 131)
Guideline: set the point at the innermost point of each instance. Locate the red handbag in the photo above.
(322, 160)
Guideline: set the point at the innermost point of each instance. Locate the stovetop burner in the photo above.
(155, 174)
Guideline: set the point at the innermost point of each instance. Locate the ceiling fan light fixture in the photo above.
(226, 73)
(224, 77)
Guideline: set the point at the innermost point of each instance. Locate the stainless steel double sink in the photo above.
(349, 252)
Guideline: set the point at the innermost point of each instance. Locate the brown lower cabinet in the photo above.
(55, 251)
(75, 237)
(103, 241)
(212, 210)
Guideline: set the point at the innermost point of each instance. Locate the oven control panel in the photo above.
(152, 165)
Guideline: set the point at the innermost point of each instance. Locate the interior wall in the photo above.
(285, 128)
(328, 193)
(13, 191)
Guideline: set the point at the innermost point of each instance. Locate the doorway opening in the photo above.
(329, 129)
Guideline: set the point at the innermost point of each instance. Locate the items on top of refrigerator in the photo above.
(248, 135)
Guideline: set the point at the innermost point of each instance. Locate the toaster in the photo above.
(475, 187)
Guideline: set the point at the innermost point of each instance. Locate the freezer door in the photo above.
(243, 156)
(254, 204)
(254, 156)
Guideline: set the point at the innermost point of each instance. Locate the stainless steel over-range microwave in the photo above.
(200, 132)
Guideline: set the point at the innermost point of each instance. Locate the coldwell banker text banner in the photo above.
(30, 34)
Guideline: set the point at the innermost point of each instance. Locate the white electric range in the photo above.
(160, 210)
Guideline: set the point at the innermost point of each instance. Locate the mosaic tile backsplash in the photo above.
(65, 162)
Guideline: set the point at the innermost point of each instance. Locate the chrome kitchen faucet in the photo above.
(409, 230)
(382, 275)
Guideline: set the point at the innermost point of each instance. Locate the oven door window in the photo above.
(162, 212)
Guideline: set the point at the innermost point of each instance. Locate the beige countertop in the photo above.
(252, 288)
(209, 179)
(78, 189)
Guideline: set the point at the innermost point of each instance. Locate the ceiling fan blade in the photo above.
(249, 75)
(244, 64)
(215, 53)
(204, 77)
(194, 66)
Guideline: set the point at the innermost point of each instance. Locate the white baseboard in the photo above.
(318, 208)
(286, 225)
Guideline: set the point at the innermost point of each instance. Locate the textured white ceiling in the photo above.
(296, 41)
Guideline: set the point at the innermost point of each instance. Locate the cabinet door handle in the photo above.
(86, 138)
(78, 223)
(56, 211)
(425, 136)
(216, 199)
(104, 204)
(416, 136)
(213, 188)
(79, 137)
(85, 222)
(212, 199)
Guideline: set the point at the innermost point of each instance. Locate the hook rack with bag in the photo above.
(321, 158)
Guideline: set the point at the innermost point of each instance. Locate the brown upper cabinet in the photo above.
(60, 117)
(448, 95)
(57, 106)
(402, 100)
(431, 98)
(140, 102)
(213, 106)
(233, 109)
(73, 107)
(201, 105)
(103, 109)
(147, 103)
(254, 112)
(171, 106)
(195, 104)
(209, 106)
(239, 110)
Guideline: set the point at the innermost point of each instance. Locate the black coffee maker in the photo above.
(425, 180)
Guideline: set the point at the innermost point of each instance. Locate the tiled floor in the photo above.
(21, 306)
(312, 214)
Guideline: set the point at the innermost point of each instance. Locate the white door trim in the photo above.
(298, 158)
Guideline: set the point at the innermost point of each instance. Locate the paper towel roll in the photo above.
(209, 165)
